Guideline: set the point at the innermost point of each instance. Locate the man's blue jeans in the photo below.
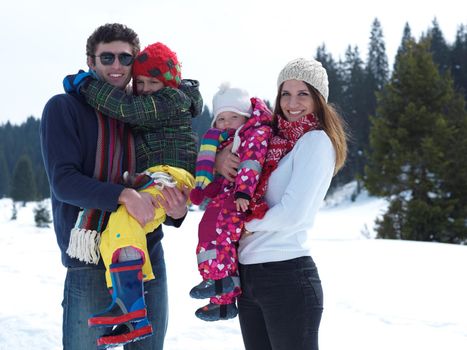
(281, 305)
(85, 293)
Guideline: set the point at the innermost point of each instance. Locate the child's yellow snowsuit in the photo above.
(123, 230)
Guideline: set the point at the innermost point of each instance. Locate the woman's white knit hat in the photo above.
(307, 70)
(230, 99)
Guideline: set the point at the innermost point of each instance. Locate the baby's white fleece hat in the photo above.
(230, 99)
(309, 71)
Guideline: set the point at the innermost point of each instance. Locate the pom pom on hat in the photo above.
(309, 71)
(231, 99)
(158, 61)
(196, 196)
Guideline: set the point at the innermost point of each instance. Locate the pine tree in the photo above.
(455, 169)
(336, 98)
(4, 175)
(377, 70)
(24, 139)
(268, 104)
(202, 123)
(8, 140)
(407, 38)
(410, 139)
(459, 61)
(355, 112)
(41, 215)
(439, 48)
(14, 212)
(377, 65)
(30, 130)
(23, 185)
(335, 78)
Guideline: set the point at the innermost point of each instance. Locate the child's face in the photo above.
(147, 85)
(229, 120)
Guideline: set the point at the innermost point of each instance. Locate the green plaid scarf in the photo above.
(115, 153)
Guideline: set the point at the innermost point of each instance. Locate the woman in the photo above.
(282, 299)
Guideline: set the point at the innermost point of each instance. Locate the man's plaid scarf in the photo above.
(288, 134)
(115, 153)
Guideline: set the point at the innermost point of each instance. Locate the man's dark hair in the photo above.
(112, 32)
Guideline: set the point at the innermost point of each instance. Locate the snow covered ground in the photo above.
(379, 294)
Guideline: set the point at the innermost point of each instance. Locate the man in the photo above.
(85, 154)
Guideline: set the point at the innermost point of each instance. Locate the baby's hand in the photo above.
(242, 204)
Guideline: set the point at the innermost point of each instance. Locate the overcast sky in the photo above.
(246, 42)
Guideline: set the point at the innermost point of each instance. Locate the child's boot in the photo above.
(125, 333)
(216, 312)
(127, 296)
(210, 288)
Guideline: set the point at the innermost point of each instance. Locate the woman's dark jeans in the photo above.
(281, 305)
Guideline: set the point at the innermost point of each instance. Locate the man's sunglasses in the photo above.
(108, 58)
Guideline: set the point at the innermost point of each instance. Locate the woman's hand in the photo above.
(242, 204)
(227, 163)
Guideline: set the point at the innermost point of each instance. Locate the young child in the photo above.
(166, 148)
(246, 123)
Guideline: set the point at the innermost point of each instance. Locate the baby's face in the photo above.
(229, 120)
(147, 85)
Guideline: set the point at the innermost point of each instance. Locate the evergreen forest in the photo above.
(407, 127)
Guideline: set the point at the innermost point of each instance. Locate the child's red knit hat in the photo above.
(158, 61)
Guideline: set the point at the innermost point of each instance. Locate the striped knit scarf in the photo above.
(281, 144)
(114, 153)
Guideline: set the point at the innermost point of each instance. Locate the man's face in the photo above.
(116, 73)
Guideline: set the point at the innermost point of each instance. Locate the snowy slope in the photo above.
(379, 294)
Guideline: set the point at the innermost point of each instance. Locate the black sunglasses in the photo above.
(108, 58)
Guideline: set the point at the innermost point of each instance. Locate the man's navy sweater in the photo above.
(68, 141)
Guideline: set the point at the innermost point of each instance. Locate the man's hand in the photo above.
(174, 201)
(227, 163)
(139, 205)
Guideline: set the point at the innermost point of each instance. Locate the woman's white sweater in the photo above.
(295, 192)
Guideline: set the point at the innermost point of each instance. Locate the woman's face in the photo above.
(296, 100)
